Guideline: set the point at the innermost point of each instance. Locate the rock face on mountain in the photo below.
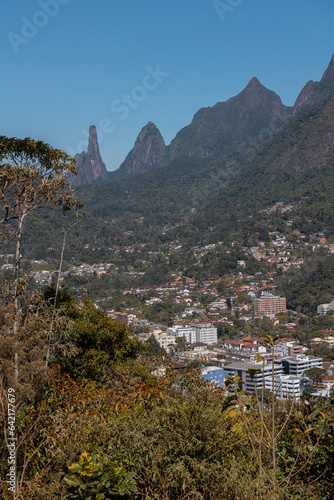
(221, 129)
(316, 92)
(89, 164)
(328, 76)
(147, 153)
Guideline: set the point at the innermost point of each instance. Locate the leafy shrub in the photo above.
(98, 477)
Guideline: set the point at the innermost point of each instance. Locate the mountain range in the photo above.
(226, 130)
(215, 178)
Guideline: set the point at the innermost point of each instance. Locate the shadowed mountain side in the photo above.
(297, 167)
(162, 193)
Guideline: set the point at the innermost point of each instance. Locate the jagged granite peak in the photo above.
(255, 94)
(221, 129)
(89, 164)
(316, 92)
(147, 153)
(253, 86)
(328, 76)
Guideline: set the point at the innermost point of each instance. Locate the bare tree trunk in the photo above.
(17, 300)
(57, 290)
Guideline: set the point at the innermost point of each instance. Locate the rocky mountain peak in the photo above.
(255, 93)
(221, 129)
(89, 164)
(147, 153)
(328, 76)
(254, 83)
(316, 92)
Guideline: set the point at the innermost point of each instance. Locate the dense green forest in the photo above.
(311, 285)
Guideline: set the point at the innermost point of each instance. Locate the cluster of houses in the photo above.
(197, 336)
(286, 253)
(327, 339)
(257, 345)
(44, 277)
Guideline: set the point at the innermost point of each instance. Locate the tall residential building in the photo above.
(165, 341)
(289, 348)
(187, 331)
(285, 386)
(214, 374)
(269, 305)
(298, 364)
(251, 373)
(206, 333)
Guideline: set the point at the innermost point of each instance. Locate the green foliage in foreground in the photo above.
(173, 437)
(98, 423)
(99, 477)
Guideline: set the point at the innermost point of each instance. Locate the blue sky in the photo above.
(67, 64)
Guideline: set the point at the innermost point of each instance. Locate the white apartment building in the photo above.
(285, 386)
(165, 341)
(286, 349)
(219, 304)
(206, 333)
(187, 331)
(298, 364)
(241, 369)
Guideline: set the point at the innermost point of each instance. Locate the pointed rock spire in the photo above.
(147, 153)
(90, 165)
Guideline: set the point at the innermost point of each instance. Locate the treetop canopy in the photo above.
(23, 151)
